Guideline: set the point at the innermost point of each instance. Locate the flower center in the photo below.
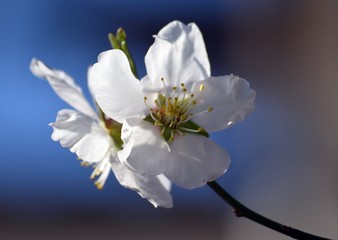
(113, 127)
(171, 112)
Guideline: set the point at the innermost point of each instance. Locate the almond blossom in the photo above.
(167, 116)
(95, 138)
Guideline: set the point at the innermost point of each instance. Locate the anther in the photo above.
(98, 185)
(201, 87)
(157, 123)
(210, 109)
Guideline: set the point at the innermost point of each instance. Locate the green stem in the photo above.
(242, 211)
(119, 42)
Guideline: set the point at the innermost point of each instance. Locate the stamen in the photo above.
(172, 110)
(158, 123)
(152, 116)
(171, 139)
(95, 173)
(187, 119)
(165, 87)
(192, 130)
(181, 133)
(205, 111)
(145, 102)
(162, 132)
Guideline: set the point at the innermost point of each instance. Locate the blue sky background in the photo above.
(254, 39)
(69, 36)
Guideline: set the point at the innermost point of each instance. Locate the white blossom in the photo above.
(167, 116)
(95, 138)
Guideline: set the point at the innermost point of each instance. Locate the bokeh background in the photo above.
(284, 156)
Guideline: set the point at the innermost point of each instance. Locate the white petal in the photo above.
(195, 161)
(144, 150)
(82, 135)
(116, 90)
(229, 96)
(64, 87)
(156, 189)
(178, 55)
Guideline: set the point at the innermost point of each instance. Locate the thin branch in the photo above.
(242, 211)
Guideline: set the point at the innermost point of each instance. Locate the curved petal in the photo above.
(116, 90)
(230, 98)
(195, 161)
(178, 55)
(156, 189)
(81, 135)
(144, 150)
(64, 87)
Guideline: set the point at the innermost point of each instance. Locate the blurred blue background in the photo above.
(284, 156)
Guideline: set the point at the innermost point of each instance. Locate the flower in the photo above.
(167, 115)
(96, 139)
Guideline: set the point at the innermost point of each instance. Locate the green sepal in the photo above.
(121, 35)
(193, 126)
(113, 41)
(149, 119)
(166, 133)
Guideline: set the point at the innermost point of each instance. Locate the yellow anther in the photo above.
(162, 79)
(201, 87)
(182, 84)
(193, 102)
(174, 88)
(157, 123)
(184, 89)
(192, 95)
(85, 164)
(98, 185)
(210, 109)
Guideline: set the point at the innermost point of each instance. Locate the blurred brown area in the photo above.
(290, 56)
(127, 223)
